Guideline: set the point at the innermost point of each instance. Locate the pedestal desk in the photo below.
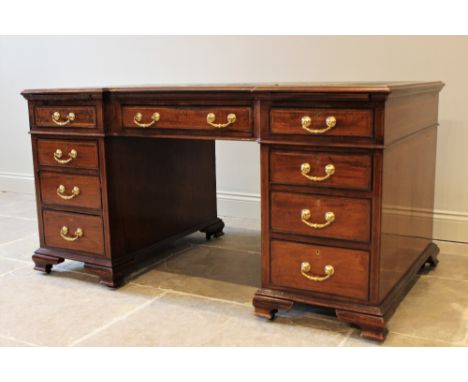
(347, 184)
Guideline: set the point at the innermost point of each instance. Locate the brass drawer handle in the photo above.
(56, 118)
(306, 121)
(71, 155)
(328, 269)
(138, 117)
(329, 171)
(61, 192)
(64, 234)
(329, 218)
(210, 118)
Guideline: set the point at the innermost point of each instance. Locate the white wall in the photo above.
(42, 62)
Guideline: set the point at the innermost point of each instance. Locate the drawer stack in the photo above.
(70, 193)
(320, 205)
(68, 184)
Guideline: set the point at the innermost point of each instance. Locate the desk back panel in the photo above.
(158, 189)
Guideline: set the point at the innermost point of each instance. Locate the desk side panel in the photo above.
(408, 185)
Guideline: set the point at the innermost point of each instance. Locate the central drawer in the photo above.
(190, 118)
(330, 270)
(321, 216)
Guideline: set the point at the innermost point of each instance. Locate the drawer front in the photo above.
(321, 216)
(330, 270)
(207, 119)
(63, 153)
(322, 122)
(321, 169)
(70, 190)
(62, 230)
(65, 116)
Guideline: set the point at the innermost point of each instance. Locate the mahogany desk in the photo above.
(347, 174)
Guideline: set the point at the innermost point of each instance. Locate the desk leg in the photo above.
(372, 327)
(215, 229)
(107, 276)
(268, 306)
(45, 263)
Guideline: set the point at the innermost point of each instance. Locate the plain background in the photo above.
(241, 17)
(80, 61)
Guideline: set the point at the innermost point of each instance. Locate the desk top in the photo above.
(299, 87)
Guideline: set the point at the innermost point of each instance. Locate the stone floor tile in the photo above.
(436, 309)
(287, 329)
(394, 340)
(159, 256)
(206, 297)
(12, 229)
(244, 223)
(21, 249)
(9, 266)
(18, 205)
(181, 320)
(60, 308)
(238, 267)
(452, 247)
(212, 272)
(198, 286)
(454, 267)
(234, 238)
(10, 342)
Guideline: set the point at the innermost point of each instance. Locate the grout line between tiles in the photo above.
(442, 241)
(346, 338)
(18, 340)
(12, 270)
(442, 278)
(193, 295)
(452, 254)
(464, 341)
(459, 343)
(17, 217)
(161, 261)
(115, 320)
(16, 240)
(228, 248)
(425, 338)
(245, 304)
(29, 263)
(15, 260)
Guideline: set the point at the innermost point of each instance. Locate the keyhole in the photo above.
(317, 252)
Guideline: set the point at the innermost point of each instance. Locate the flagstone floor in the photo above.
(198, 294)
